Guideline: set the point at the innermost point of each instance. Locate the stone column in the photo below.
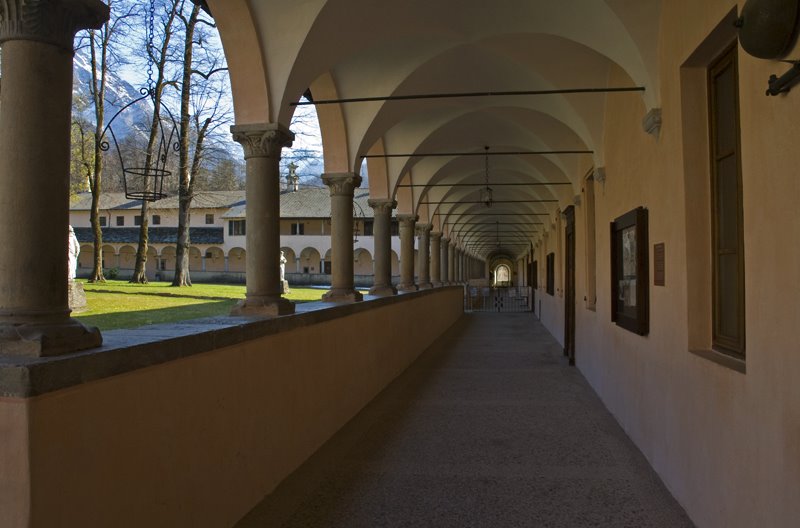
(424, 264)
(35, 122)
(382, 233)
(436, 259)
(451, 262)
(262, 152)
(444, 249)
(342, 185)
(407, 226)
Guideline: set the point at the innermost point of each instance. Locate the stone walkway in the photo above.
(489, 428)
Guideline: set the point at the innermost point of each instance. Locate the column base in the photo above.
(263, 307)
(383, 290)
(47, 339)
(77, 297)
(343, 295)
(426, 286)
(437, 284)
(405, 288)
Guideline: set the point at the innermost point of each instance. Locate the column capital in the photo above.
(382, 205)
(435, 235)
(445, 240)
(262, 140)
(423, 229)
(407, 219)
(50, 21)
(341, 183)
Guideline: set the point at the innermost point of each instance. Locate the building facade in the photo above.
(218, 228)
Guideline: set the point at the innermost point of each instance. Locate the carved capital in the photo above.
(445, 241)
(50, 21)
(262, 141)
(407, 220)
(341, 183)
(382, 206)
(423, 229)
(436, 236)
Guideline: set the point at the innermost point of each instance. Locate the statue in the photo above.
(73, 250)
(283, 266)
(75, 293)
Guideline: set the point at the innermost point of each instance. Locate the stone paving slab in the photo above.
(489, 428)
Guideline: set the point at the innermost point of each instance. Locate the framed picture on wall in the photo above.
(630, 299)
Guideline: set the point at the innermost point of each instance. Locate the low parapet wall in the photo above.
(198, 421)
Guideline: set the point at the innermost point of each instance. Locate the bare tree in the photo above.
(200, 103)
(158, 56)
(101, 45)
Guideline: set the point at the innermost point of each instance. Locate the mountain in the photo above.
(119, 93)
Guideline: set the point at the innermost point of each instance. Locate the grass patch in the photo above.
(119, 304)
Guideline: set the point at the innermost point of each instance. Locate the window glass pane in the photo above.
(728, 296)
(727, 201)
(725, 110)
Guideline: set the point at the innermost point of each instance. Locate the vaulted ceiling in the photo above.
(428, 152)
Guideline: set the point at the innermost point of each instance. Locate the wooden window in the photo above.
(237, 228)
(156, 219)
(120, 221)
(298, 228)
(368, 227)
(551, 273)
(591, 253)
(728, 335)
(209, 218)
(102, 221)
(137, 220)
(395, 228)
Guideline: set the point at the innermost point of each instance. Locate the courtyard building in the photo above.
(620, 158)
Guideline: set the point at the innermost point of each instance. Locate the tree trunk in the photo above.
(140, 269)
(185, 187)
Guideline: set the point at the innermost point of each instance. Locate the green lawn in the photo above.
(118, 304)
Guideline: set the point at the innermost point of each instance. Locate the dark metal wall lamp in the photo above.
(768, 29)
(784, 83)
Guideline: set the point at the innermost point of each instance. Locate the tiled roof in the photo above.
(117, 201)
(307, 202)
(155, 235)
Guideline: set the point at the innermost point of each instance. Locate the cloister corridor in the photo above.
(488, 428)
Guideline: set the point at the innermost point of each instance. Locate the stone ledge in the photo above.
(128, 350)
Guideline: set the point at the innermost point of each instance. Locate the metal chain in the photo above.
(151, 29)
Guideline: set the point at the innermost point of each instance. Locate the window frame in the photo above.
(550, 286)
(732, 346)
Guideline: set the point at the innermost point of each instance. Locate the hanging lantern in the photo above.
(486, 193)
(145, 181)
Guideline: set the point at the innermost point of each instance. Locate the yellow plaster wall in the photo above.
(199, 441)
(726, 444)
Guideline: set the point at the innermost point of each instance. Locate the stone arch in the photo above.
(195, 259)
(86, 257)
(127, 257)
(167, 258)
(310, 260)
(215, 259)
(395, 260)
(362, 262)
(237, 260)
(331, 125)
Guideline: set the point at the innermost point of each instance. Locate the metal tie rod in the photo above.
(455, 95)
